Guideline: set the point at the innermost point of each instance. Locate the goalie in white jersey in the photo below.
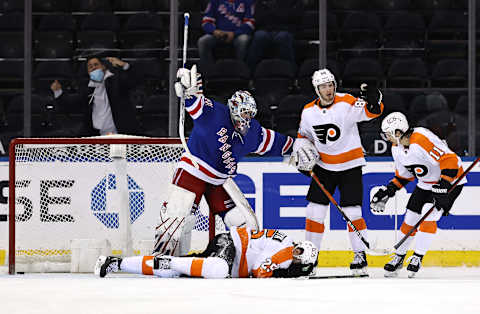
(328, 143)
(420, 154)
(241, 253)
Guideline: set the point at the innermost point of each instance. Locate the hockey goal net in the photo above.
(103, 188)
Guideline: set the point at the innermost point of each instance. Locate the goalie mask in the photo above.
(306, 254)
(321, 77)
(242, 110)
(395, 121)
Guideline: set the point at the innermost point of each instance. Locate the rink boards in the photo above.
(277, 192)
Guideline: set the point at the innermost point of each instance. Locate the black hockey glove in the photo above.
(380, 198)
(440, 196)
(373, 97)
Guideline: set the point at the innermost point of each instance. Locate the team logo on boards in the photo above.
(136, 201)
(417, 170)
(326, 132)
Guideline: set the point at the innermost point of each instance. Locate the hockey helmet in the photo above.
(395, 121)
(305, 253)
(322, 76)
(242, 109)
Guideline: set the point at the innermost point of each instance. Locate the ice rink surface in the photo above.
(434, 290)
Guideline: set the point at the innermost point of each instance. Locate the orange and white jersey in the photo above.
(425, 158)
(258, 253)
(334, 131)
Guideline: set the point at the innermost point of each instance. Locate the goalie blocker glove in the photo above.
(373, 97)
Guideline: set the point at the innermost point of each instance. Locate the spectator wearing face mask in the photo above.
(107, 107)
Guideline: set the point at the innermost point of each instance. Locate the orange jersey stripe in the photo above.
(243, 267)
(147, 270)
(196, 267)
(342, 157)
(446, 161)
(359, 224)
(314, 226)
(428, 226)
(406, 228)
(281, 256)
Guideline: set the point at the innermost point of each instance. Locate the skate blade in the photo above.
(391, 274)
(359, 272)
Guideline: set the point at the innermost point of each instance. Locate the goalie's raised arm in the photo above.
(189, 83)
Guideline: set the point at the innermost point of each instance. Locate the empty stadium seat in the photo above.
(450, 73)
(409, 72)
(423, 105)
(360, 70)
(274, 77)
(226, 76)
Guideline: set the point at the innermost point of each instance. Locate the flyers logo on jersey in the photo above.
(326, 132)
(417, 170)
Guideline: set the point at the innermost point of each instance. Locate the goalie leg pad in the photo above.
(242, 204)
(172, 220)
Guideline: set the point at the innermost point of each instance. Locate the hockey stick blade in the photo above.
(338, 276)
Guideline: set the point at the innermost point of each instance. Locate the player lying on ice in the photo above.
(418, 153)
(221, 135)
(241, 253)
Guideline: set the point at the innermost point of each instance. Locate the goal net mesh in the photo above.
(93, 189)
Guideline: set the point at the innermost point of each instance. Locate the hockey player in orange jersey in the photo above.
(241, 253)
(420, 154)
(328, 143)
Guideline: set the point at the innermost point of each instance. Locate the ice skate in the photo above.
(107, 264)
(414, 265)
(394, 265)
(359, 264)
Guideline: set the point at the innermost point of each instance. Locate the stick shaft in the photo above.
(185, 38)
(405, 237)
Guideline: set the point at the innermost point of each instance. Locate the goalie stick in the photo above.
(181, 121)
(405, 237)
(371, 250)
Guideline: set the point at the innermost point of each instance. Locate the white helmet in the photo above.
(322, 76)
(393, 122)
(242, 109)
(308, 255)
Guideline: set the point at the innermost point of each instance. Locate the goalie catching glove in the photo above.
(189, 84)
(304, 155)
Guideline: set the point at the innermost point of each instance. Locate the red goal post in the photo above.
(109, 187)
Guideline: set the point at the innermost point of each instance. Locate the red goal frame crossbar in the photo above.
(92, 140)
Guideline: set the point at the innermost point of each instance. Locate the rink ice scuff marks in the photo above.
(434, 290)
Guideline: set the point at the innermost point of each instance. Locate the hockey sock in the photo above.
(144, 265)
(404, 229)
(314, 226)
(357, 244)
(314, 232)
(425, 236)
(210, 267)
